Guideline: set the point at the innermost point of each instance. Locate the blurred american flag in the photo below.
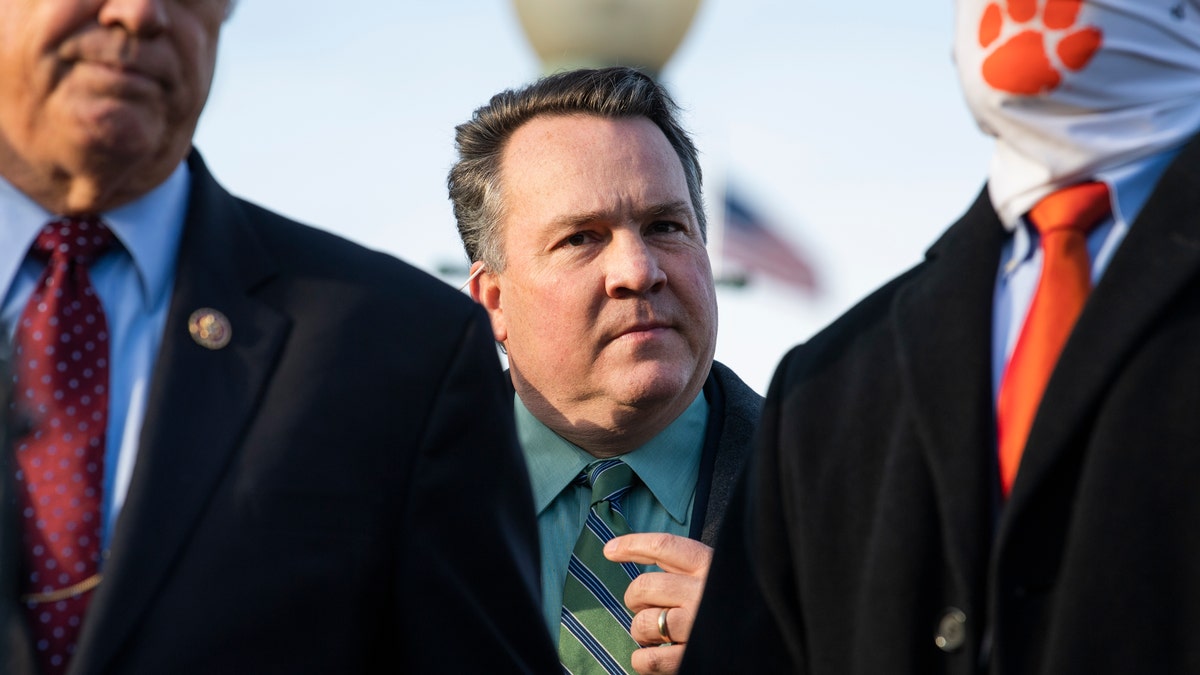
(757, 246)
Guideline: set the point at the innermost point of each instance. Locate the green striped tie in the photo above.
(594, 633)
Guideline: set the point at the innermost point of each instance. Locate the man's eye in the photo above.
(664, 226)
(577, 239)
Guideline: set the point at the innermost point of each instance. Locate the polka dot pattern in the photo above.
(61, 387)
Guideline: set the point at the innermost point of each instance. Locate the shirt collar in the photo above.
(21, 219)
(1130, 186)
(667, 464)
(149, 229)
(1132, 183)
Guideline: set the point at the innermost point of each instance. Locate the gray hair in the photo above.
(616, 92)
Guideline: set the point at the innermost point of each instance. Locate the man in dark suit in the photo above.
(299, 432)
(909, 508)
(578, 201)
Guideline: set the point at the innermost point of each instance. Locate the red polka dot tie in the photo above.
(61, 373)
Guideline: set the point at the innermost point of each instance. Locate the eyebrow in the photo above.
(676, 208)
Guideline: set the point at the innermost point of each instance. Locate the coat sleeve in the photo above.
(468, 594)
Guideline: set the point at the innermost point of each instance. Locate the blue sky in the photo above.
(841, 120)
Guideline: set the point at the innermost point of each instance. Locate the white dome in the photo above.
(595, 33)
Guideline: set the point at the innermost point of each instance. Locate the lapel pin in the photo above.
(209, 328)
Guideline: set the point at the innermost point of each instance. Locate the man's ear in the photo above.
(485, 289)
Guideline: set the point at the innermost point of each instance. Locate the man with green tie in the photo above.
(578, 200)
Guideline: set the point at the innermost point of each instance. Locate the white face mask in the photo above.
(1072, 87)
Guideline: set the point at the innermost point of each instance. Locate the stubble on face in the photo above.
(98, 106)
(608, 311)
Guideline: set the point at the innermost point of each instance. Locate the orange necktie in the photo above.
(1062, 220)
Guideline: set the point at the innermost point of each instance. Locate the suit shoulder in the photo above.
(864, 328)
(305, 250)
(740, 399)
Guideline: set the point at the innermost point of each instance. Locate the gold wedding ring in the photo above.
(662, 626)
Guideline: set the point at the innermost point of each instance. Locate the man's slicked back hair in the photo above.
(616, 92)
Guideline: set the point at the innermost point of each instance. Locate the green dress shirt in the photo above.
(661, 500)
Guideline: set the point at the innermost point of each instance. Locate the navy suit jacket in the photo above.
(307, 499)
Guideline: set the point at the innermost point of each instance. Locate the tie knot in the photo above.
(1078, 207)
(77, 239)
(608, 478)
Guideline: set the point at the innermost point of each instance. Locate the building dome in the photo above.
(569, 34)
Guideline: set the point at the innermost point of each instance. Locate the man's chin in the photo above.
(654, 383)
(116, 127)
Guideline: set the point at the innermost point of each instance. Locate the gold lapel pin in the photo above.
(209, 328)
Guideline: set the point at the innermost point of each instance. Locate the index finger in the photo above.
(672, 553)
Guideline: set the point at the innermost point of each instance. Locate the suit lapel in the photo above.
(199, 404)
(16, 657)
(734, 410)
(943, 323)
(1129, 298)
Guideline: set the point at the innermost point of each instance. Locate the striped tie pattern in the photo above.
(594, 633)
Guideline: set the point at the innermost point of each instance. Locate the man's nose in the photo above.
(144, 18)
(632, 267)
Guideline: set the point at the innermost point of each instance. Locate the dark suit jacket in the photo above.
(733, 412)
(309, 499)
(869, 539)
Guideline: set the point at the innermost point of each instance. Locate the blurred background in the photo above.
(835, 143)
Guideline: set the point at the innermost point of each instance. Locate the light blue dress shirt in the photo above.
(668, 467)
(1130, 186)
(134, 282)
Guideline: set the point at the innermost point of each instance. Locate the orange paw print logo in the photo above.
(1021, 64)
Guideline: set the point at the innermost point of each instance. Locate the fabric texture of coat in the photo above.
(733, 414)
(869, 536)
(311, 497)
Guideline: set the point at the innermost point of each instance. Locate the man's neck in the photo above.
(609, 430)
(92, 187)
